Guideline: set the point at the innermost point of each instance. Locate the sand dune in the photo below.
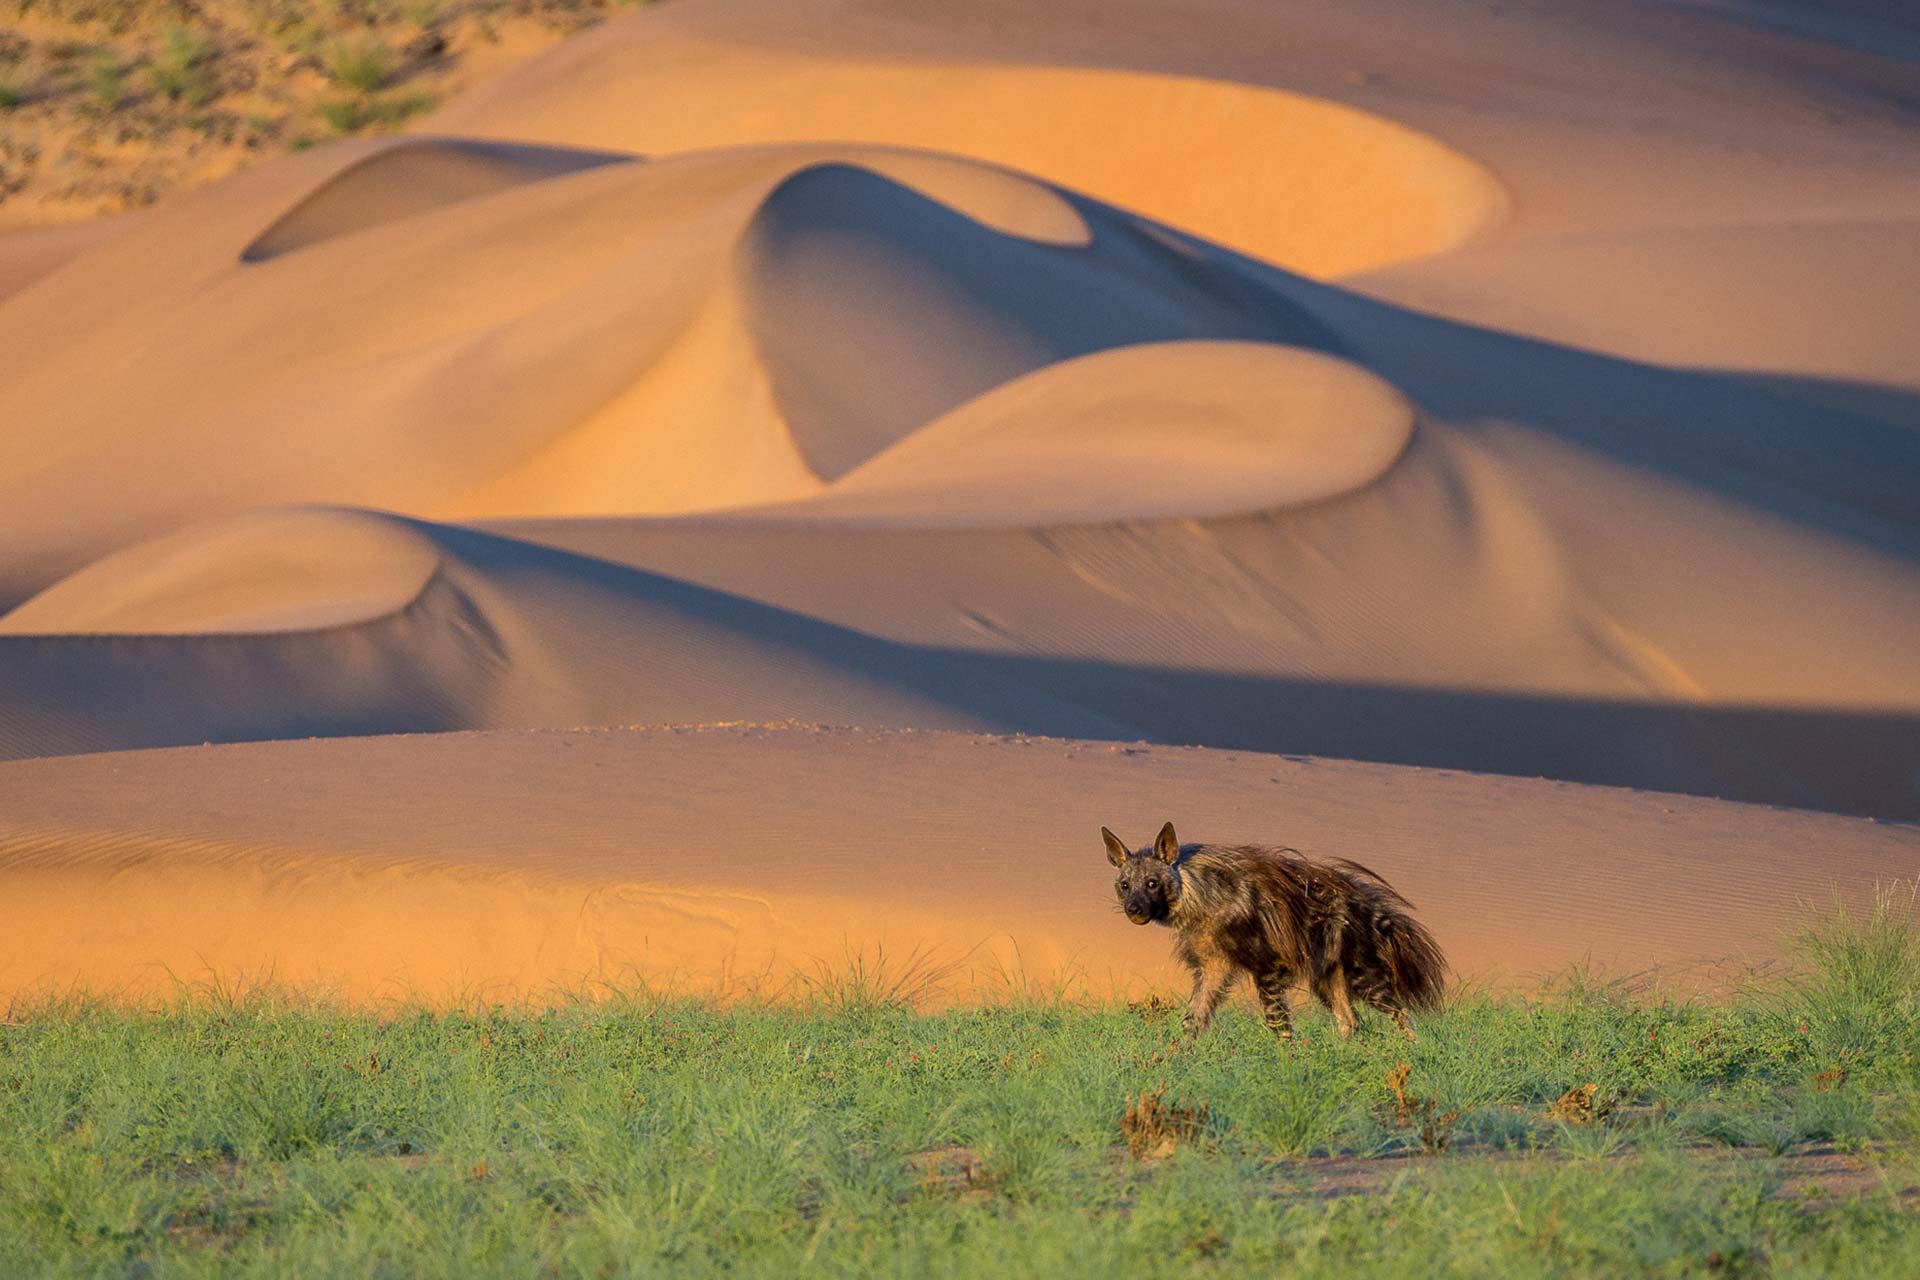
(397, 182)
(1524, 392)
(448, 629)
(1311, 184)
(500, 865)
(712, 331)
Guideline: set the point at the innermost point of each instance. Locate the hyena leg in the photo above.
(1377, 990)
(1276, 987)
(1211, 983)
(1340, 1003)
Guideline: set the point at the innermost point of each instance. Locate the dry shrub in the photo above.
(1422, 1114)
(1582, 1104)
(1153, 1128)
(951, 1170)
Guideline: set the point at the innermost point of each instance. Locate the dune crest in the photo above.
(287, 569)
(1311, 184)
(1154, 431)
(412, 176)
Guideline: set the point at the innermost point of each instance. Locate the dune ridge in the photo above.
(1315, 185)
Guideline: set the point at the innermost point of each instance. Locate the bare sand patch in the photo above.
(748, 858)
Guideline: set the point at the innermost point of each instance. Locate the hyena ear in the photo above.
(1117, 853)
(1167, 846)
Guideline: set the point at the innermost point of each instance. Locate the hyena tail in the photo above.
(1412, 960)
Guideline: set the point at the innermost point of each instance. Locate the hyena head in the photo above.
(1149, 883)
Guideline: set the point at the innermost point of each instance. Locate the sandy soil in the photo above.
(1520, 390)
(749, 858)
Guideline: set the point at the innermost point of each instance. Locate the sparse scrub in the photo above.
(352, 115)
(129, 99)
(424, 13)
(360, 63)
(183, 69)
(853, 1132)
(106, 77)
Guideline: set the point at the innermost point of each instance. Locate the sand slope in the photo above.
(500, 865)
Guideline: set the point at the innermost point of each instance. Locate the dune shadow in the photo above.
(1832, 454)
(1846, 761)
(1862, 762)
(102, 693)
(837, 249)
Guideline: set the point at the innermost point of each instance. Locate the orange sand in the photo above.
(507, 865)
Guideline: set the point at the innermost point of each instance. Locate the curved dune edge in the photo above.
(748, 859)
(410, 176)
(692, 334)
(287, 569)
(1310, 184)
(1161, 430)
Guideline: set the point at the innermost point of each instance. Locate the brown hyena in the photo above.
(1336, 928)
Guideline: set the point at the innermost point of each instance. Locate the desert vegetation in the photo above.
(107, 104)
(1593, 1129)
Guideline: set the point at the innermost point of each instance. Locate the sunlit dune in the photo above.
(746, 860)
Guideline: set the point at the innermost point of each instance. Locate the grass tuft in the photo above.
(183, 68)
(105, 76)
(1855, 1004)
(360, 63)
(380, 111)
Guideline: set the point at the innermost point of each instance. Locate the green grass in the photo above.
(183, 68)
(363, 63)
(851, 1134)
(351, 115)
(106, 77)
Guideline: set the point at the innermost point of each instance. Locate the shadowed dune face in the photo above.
(287, 569)
(411, 178)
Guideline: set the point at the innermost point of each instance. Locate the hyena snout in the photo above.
(1144, 903)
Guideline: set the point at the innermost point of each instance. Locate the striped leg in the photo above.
(1211, 983)
(1377, 990)
(1274, 987)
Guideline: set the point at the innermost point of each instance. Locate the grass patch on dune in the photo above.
(1585, 1132)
